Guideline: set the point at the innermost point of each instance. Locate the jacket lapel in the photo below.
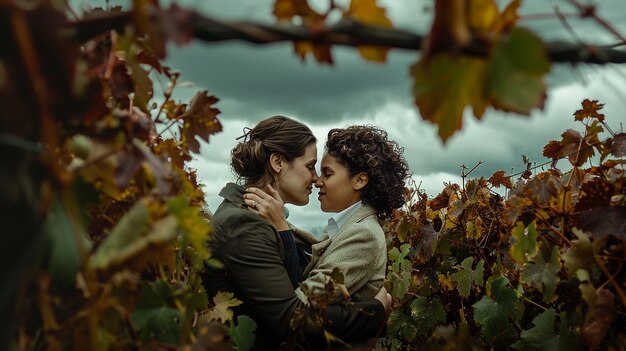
(320, 247)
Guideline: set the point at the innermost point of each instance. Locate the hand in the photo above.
(268, 205)
(385, 298)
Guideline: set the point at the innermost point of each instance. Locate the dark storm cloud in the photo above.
(255, 81)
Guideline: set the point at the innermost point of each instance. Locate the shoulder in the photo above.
(231, 221)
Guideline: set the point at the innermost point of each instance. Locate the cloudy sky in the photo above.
(254, 82)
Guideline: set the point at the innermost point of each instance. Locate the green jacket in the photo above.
(251, 251)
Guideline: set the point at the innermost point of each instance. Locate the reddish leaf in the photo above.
(553, 150)
(575, 147)
(499, 178)
(590, 110)
(441, 200)
(199, 120)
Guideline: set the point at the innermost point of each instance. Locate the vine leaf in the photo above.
(199, 120)
(465, 276)
(64, 258)
(580, 255)
(242, 332)
(493, 312)
(525, 244)
(542, 188)
(368, 12)
(602, 316)
(544, 275)
(515, 74)
(221, 310)
(399, 324)
(441, 88)
(400, 274)
(590, 110)
(427, 314)
(603, 221)
(192, 224)
(544, 337)
(499, 178)
(153, 317)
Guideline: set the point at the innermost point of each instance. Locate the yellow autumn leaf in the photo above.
(221, 310)
(368, 12)
(482, 16)
(562, 203)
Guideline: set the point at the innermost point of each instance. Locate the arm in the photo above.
(253, 262)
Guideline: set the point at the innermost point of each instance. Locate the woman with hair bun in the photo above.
(263, 261)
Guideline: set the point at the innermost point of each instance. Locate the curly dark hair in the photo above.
(367, 149)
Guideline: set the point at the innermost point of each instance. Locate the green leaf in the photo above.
(400, 325)
(64, 259)
(195, 228)
(243, 332)
(543, 336)
(127, 241)
(127, 230)
(400, 273)
(465, 276)
(427, 314)
(403, 229)
(493, 314)
(444, 86)
(153, 317)
(515, 72)
(525, 245)
(580, 255)
(544, 275)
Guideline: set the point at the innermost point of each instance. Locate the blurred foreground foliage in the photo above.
(105, 223)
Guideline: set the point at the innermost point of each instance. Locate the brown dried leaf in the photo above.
(601, 222)
(499, 178)
(514, 207)
(542, 188)
(603, 315)
(590, 110)
(200, 120)
(575, 147)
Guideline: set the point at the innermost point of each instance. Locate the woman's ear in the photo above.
(359, 181)
(276, 162)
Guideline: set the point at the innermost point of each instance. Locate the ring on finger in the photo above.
(254, 204)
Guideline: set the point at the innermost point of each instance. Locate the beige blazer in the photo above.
(358, 249)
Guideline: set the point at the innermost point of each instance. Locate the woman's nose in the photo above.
(318, 182)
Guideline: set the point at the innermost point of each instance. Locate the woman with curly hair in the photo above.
(362, 179)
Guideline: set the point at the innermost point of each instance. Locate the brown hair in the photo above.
(367, 149)
(279, 134)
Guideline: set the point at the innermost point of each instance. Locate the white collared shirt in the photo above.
(337, 221)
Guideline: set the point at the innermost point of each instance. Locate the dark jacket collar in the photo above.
(234, 193)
